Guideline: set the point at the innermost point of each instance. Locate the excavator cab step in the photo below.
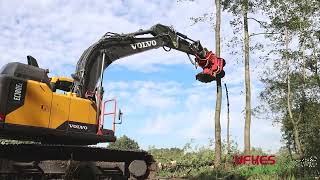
(101, 130)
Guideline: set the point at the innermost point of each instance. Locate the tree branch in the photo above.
(255, 34)
(298, 120)
(260, 22)
(264, 26)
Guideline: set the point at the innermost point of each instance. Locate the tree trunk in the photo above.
(316, 64)
(247, 80)
(294, 123)
(228, 125)
(315, 60)
(217, 159)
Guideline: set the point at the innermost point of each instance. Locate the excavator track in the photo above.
(42, 161)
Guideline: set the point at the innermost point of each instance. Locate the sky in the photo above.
(163, 104)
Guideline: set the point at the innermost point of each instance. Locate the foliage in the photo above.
(124, 143)
(297, 19)
(197, 164)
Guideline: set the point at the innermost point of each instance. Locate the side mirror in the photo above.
(119, 117)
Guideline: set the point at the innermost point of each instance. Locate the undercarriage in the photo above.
(37, 161)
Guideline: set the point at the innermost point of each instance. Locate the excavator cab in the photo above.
(61, 83)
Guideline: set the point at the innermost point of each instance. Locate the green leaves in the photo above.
(124, 143)
(298, 17)
(197, 164)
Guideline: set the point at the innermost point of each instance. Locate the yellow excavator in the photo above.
(63, 115)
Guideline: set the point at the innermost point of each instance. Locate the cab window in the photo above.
(61, 87)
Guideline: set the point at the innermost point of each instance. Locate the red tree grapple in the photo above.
(212, 67)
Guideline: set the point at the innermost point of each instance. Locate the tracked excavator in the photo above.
(63, 116)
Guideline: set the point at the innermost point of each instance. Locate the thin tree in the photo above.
(206, 17)
(294, 122)
(217, 160)
(247, 146)
(228, 124)
(240, 10)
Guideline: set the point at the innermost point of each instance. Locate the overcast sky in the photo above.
(163, 104)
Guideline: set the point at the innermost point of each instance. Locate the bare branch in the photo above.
(298, 120)
(263, 25)
(255, 34)
(260, 22)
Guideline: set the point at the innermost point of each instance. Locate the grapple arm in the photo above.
(115, 46)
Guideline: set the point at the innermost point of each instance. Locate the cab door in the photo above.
(81, 116)
(60, 109)
(79, 112)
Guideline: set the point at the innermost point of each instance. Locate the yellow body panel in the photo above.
(60, 109)
(92, 114)
(44, 108)
(79, 110)
(36, 108)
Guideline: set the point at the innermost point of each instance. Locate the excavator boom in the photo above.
(116, 46)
